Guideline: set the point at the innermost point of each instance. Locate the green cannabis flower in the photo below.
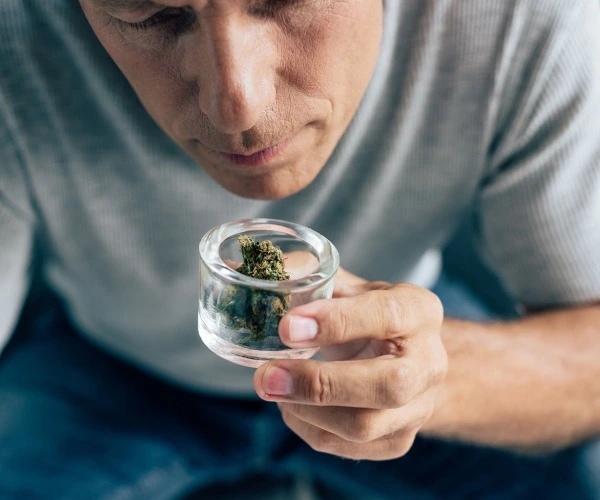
(252, 309)
(261, 260)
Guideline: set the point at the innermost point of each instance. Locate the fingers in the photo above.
(347, 277)
(362, 425)
(348, 284)
(396, 311)
(384, 382)
(370, 407)
(318, 439)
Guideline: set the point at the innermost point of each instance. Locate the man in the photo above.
(378, 124)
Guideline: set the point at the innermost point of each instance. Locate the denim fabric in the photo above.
(76, 423)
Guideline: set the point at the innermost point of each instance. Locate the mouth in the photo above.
(258, 158)
(255, 158)
(261, 157)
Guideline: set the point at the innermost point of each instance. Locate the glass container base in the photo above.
(243, 355)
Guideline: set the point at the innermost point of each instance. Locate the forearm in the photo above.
(532, 384)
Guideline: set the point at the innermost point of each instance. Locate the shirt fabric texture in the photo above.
(480, 107)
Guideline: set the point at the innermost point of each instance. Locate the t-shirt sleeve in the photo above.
(539, 208)
(16, 233)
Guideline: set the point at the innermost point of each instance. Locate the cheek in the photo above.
(157, 83)
(153, 74)
(334, 57)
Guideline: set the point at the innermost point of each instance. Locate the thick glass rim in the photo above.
(328, 255)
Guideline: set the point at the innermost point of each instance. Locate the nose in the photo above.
(236, 80)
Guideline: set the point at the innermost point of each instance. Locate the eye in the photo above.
(272, 7)
(175, 21)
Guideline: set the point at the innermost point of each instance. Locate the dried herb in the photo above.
(252, 309)
(262, 260)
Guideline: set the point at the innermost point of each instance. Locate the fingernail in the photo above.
(302, 329)
(277, 382)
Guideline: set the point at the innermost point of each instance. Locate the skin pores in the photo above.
(257, 92)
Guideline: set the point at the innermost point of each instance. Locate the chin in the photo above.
(268, 186)
(257, 190)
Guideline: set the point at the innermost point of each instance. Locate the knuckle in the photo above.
(437, 361)
(395, 391)
(435, 307)
(339, 327)
(391, 313)
(416, 305)
(321, 387)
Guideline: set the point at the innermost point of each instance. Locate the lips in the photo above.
(260, 157)
(254, 157)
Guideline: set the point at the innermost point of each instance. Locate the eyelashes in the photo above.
(175, 21)
(272, 7)
(172, 21)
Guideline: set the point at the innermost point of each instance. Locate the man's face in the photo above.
(258, 92)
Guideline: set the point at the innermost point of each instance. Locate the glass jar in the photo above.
(237, 316)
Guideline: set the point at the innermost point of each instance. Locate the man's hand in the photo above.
(384, 361)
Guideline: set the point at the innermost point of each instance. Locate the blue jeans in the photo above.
(77, 423)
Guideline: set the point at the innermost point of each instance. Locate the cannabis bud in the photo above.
(261, 260)
(257, 311)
